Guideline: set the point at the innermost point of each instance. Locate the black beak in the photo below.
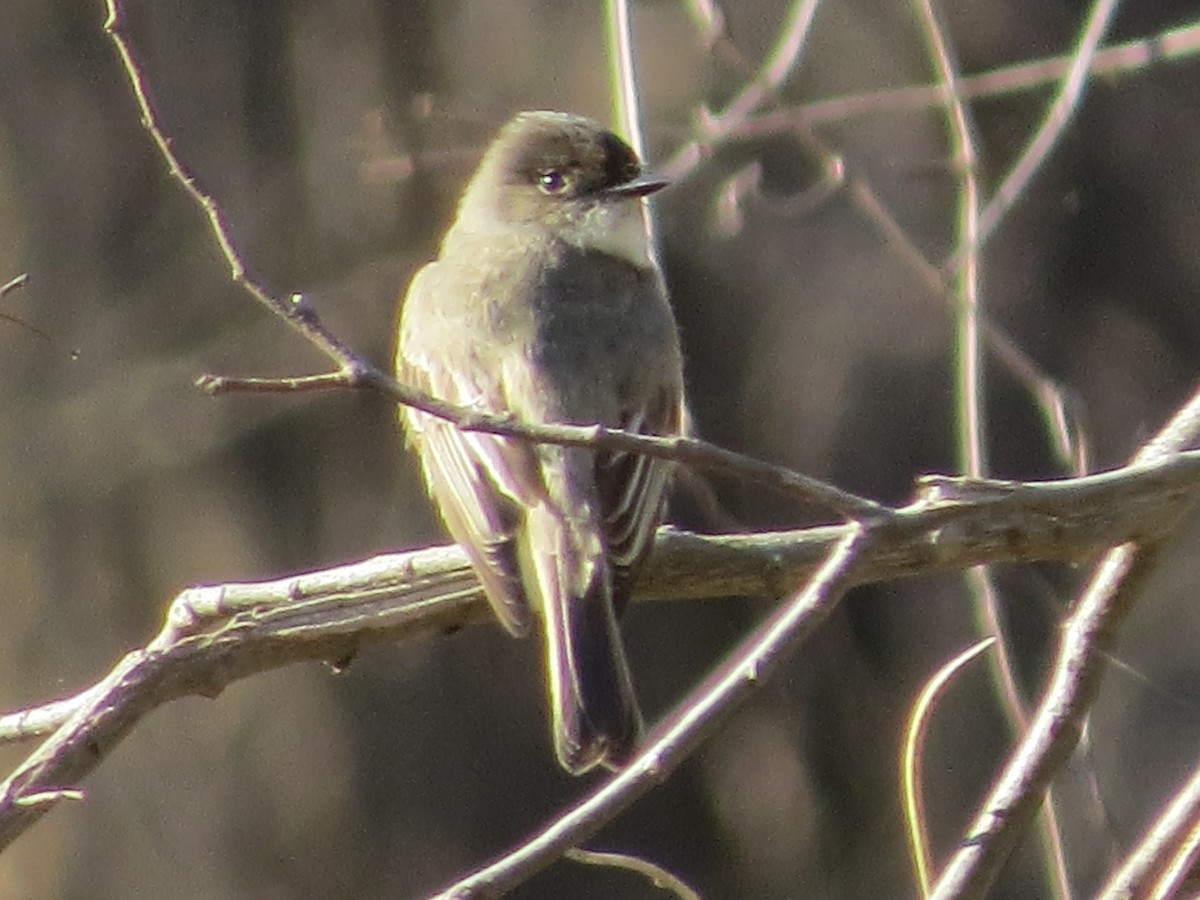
(645, 184)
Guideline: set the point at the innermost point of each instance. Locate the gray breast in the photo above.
(604, 333)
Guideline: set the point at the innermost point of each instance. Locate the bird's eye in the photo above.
(552, 181)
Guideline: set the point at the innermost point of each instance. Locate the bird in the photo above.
(545, 304)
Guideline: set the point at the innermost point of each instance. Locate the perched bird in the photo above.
(544, 304)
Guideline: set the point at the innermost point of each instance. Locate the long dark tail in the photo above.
(592, 703)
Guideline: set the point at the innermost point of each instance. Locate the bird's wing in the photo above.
(632, 488)
(478, 480)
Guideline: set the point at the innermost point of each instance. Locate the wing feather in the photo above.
(478, 481)
(632, 490)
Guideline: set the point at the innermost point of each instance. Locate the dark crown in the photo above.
(538, 144)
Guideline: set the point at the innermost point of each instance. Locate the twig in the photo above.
(686, 450)
(293, 311)
(19, 282)
(1148, 861)
(1057, 118)
(912, 761)
(624, 81)
(1053, 399)
(1132, 56)
(965, 162)
(779, 63)
(658, 876)
(626, 103)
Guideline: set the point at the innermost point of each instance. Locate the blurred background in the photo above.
(336, 135)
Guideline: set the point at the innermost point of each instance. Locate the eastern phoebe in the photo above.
(544, 304)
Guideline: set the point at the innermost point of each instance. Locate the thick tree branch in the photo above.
(217, 634)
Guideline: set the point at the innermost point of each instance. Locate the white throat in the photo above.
(617, 228)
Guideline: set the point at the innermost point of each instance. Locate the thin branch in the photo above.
(1061, 111)
(1133, 56)
(11, 285)
(965, 161)
(970, 393)
(294, 312)
(289, 384)
(624, 81)
(688, 451)
(1053, 399)
(763, 86)
(626, 102)
(1088, 637)
(1147, 863)
(693, 719)
(1179, 874)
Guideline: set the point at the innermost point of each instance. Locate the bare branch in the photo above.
(1132, 56)
(292, 311)
(763, 86)
(1088, 637)
(686, 450)
(1173, 831)
(623, 79)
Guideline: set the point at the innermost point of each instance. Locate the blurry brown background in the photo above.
(809, 343)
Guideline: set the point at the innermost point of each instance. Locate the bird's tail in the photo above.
(594, 711)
